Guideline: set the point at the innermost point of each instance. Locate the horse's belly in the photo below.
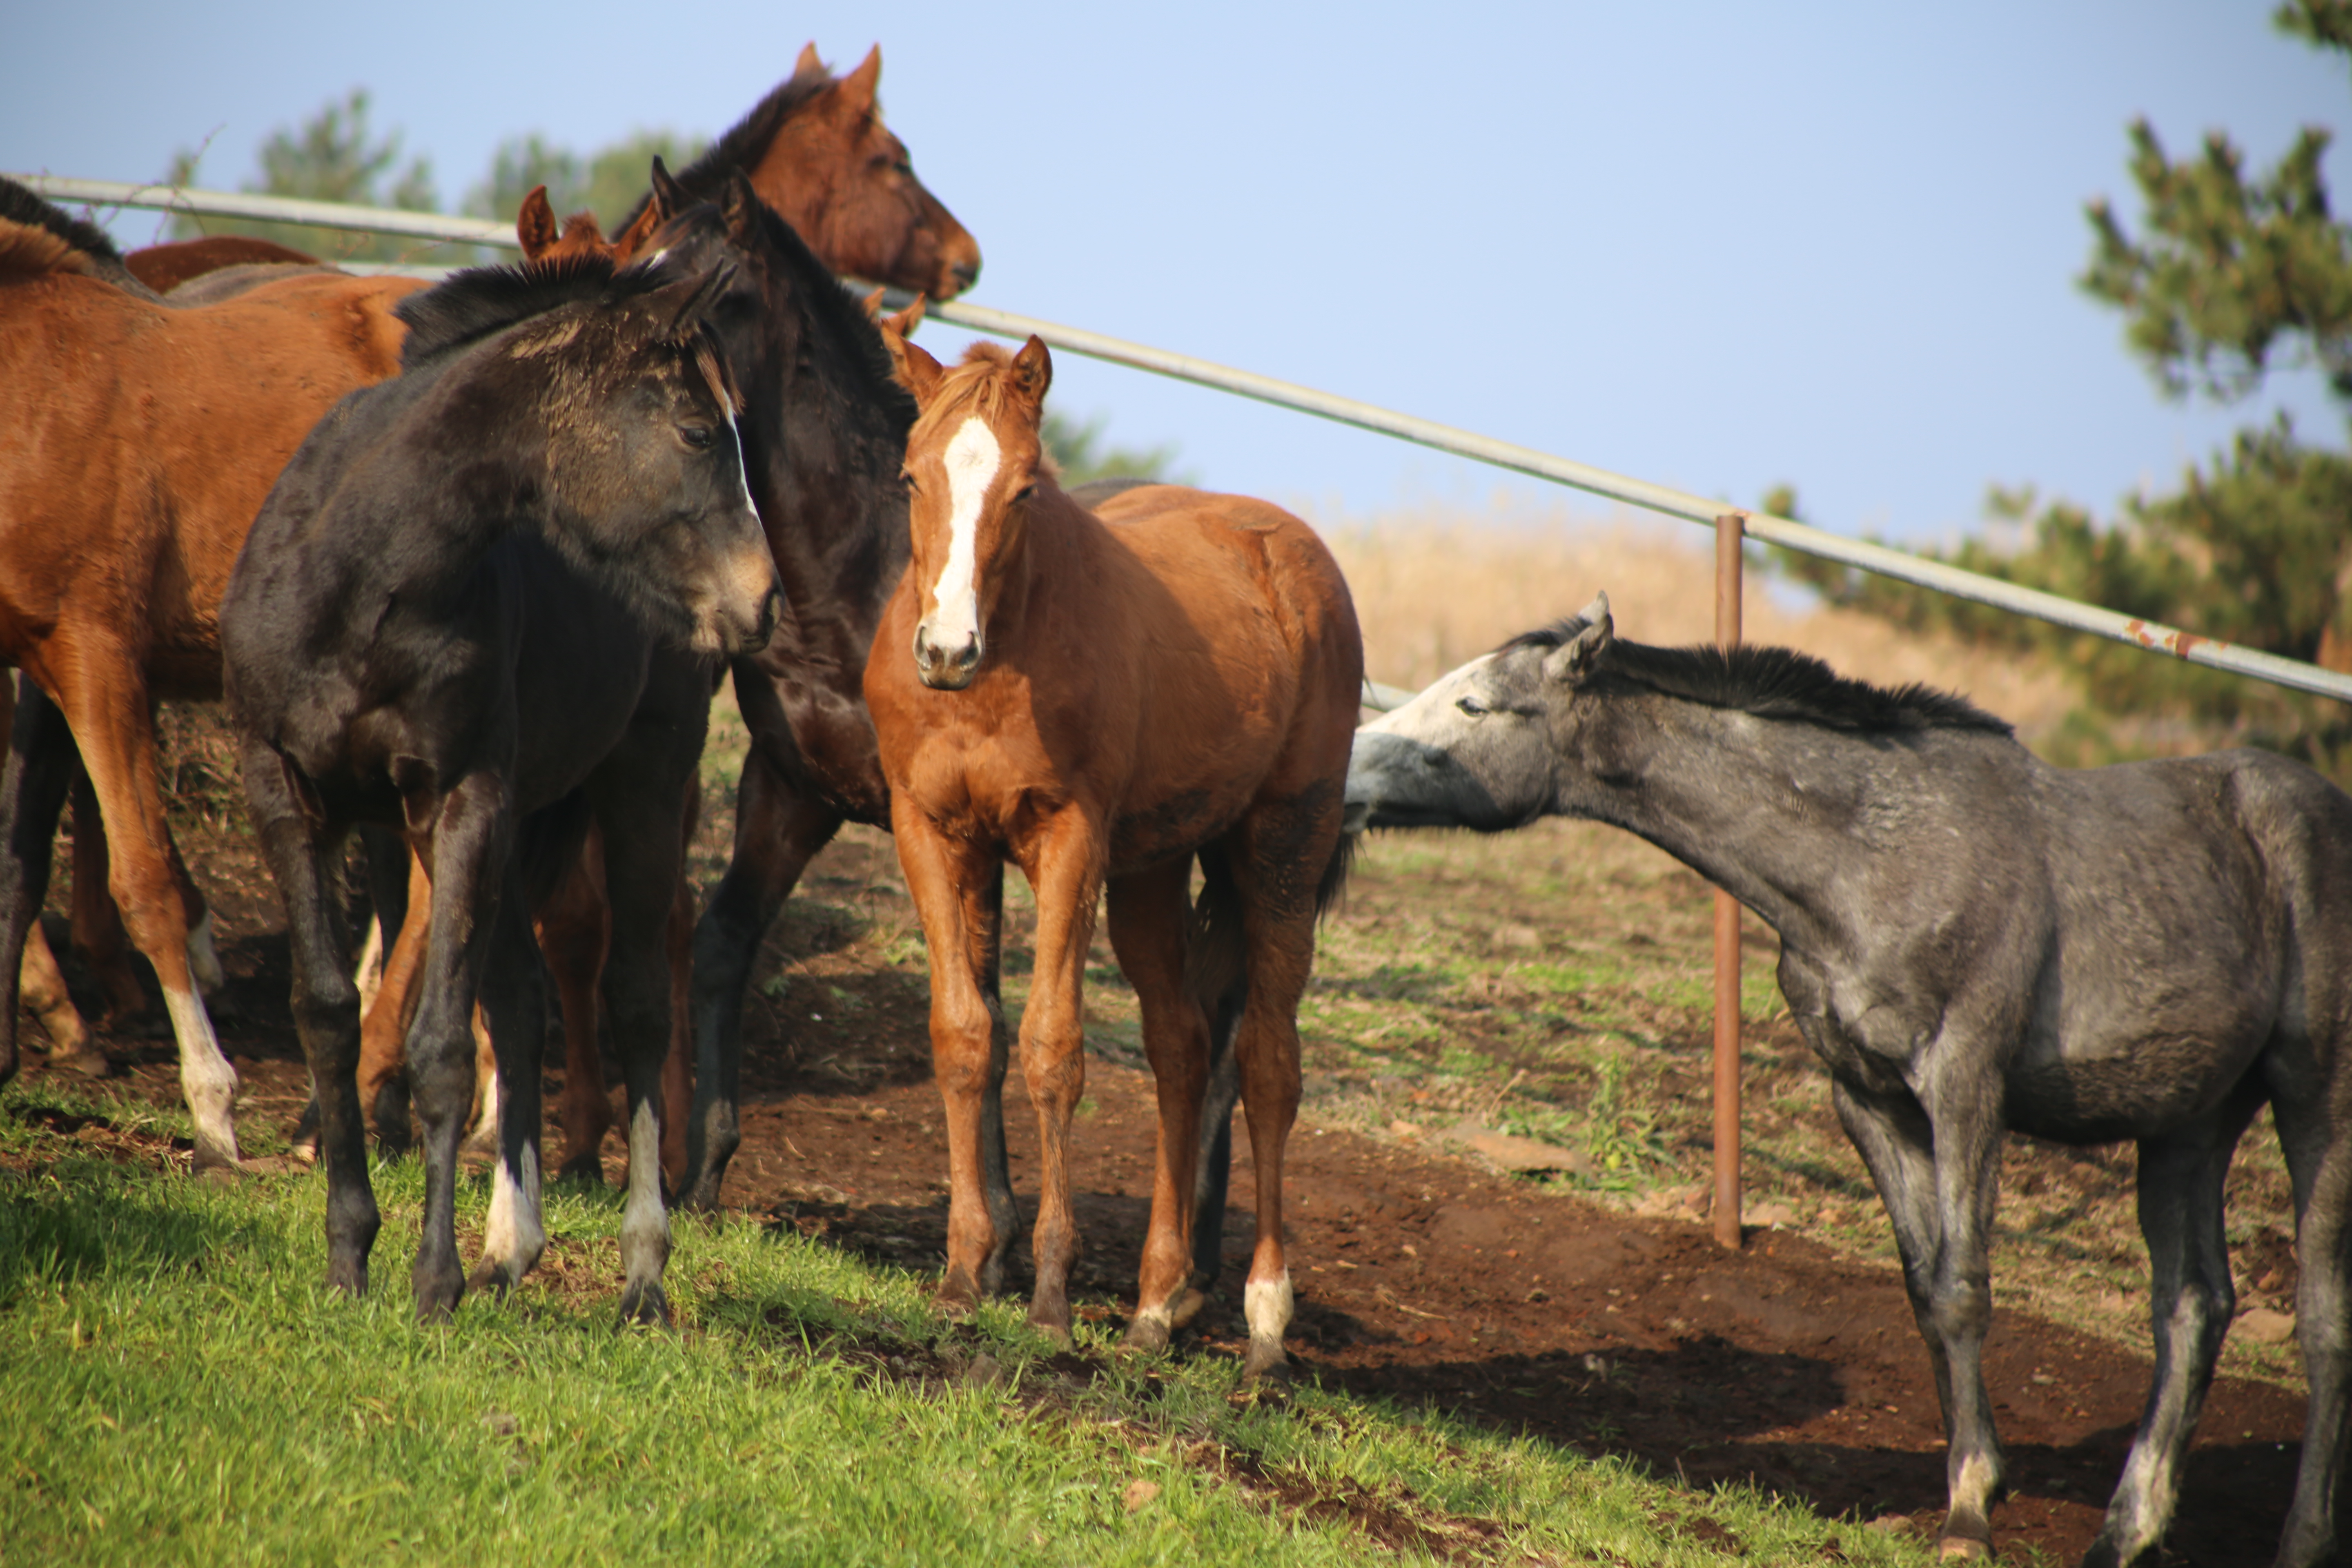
(2151, 1086)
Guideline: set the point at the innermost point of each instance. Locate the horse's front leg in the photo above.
(986, 903)
(472, 849)
(326, 1003)
(2191, 1298)
(1937, 1184)
(2316, 1136)
(575, 934)
(1149, 914)
(777, 833)
(945, 875)
(1064, 866)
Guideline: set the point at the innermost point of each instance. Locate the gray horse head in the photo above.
(1480, 748)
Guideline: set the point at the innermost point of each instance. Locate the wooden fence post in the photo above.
(1729, 532)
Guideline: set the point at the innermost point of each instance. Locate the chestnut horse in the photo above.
(127, 478)
(126, 489)
(1103, 700)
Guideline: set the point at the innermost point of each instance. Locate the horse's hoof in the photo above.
(347, 1274)
(1051, 1319)
(89, 1062)
(1964, 1549)
(644, 1307)
(492, 1277)
(1187, 1307)
(1147, 1335)
(584, 1169)
(1267, 1362)
(213, 1164)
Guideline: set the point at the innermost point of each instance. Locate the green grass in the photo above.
(182, 1388)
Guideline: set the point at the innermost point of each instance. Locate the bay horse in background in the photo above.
(165, 267)
(1973, 940)
(484, 604)
(1103, 700)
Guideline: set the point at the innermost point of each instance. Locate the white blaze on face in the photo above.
(1431, 717)
(972, 461)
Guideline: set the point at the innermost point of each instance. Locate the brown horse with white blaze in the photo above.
(1102, 702)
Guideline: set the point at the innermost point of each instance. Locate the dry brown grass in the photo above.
(1436, 588)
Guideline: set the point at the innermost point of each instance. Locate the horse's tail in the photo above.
(1214, 955)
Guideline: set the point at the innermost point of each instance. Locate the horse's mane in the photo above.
(743, 144)
(480, 300)
(36, 236)
(1776, 683)
(837, 314)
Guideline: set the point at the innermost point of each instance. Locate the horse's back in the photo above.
(1255, 662)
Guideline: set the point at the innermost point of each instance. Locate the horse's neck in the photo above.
(835, 514)
(1712, 788)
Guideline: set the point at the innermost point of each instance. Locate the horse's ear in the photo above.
(905, 322)
(857, 87)
(535, 224)
(739, 203)
(808, 64)
(635, 237)
(670, 197)
(1032, 371)
(680, 307)
(1580, 655)
(913, 369)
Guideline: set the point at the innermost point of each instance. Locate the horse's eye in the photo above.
(699, 436)
(1025, 491)
(1472, 706)
(907, 478)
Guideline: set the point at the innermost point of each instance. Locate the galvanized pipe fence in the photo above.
(1732, 525)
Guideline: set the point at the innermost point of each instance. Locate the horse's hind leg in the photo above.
(2190, 1301)
(326, 1008)
(513, 1234)
(383, 1028)
(641, 870)
(777, 833)
(2316, 1131)
(1213, 1171)
(1147, 916)
(574, 932)
(472, 848)
(1949, 1281)
(40, 769)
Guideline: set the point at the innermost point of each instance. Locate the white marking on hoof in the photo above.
(206, 1077)
(644, 1224)
(514, 1236)
(204, 958)
(1266, 1303)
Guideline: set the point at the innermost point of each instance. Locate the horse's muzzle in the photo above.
(944, 669)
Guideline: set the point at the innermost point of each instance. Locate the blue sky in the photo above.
(1715, 246)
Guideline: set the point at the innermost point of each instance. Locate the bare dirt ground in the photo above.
(1422, 1279)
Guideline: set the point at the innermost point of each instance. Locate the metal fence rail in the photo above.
(1797, 536)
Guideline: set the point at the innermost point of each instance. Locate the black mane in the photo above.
(1776, 683)
(18, 205)
(837, 314)
(742, 145)
(480, 300)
